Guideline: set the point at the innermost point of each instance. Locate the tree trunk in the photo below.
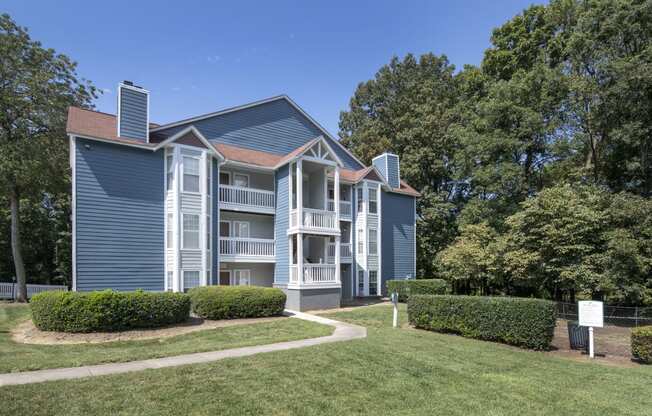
(21, 295)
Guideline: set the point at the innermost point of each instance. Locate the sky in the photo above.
(198, 57)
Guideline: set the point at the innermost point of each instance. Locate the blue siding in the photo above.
(281, 225)
(275, 127)
(388, 166)
(133, 114)
(119, 217)
(398, 237)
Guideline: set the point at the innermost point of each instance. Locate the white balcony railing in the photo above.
(315, 219)
(246, 247)
(247, 197)
(313, 274)
(345, 208)
(345, 251)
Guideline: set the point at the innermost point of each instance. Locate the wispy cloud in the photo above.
(214, 58)
(107, 90)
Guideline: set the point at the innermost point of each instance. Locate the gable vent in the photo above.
(388, 166)
(133, 111)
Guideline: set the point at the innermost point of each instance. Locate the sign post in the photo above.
(395, 303)
(591, 314)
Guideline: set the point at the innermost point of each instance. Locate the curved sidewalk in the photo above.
(342, 332)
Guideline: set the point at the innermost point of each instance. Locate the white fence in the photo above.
(246, 197)
(254, 247)
(313, 274)
(10, 290)
(315, 218)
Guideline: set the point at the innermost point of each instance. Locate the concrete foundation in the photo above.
(311, 299)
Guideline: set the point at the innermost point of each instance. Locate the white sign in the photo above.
(591, 314)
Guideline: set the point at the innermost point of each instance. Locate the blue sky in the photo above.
(198, 57)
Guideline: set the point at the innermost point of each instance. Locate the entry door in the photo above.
(367, 283)
(361, 284)
(225, 277)
(241, 278)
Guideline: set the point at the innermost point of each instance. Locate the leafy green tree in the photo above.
(408, 109)
(471, 262)
(36, 87)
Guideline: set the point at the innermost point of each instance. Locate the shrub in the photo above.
(405, 288)
(642, 344)
(231, 302)
(107, 310)
(523, 322)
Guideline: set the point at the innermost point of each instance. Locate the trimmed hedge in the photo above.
(405, 288)
(528, 323)
(231, 302)
(641, 339)
(106, 310)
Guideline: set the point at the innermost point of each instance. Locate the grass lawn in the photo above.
(23, 357)
(393, 371)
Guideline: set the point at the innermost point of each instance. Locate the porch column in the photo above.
(299, 258)
(337, 260)
(299, 194)
(336, 185)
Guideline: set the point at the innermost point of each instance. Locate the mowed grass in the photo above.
(393, 371)
(23, 357)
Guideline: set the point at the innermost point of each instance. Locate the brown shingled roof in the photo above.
(254, 157)
(96, 124)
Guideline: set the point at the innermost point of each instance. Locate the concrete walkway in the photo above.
(342, 332)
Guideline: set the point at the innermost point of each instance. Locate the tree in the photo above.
(408, 109)
(37, 86)
(471, 262)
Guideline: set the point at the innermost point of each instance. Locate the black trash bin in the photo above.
(578, 336)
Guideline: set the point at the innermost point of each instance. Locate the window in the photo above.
(360, 206)
(225, 178)
(360, 241)
(208, 177)
(241, 180)
(373, 201)
(190, 174)
(360, 282)
(190, 279)
(331, 193)
(373, 242)
(373, 282)
(241, 278)
(170, 171)
(170, 231)
(241, 229)
(190, 231)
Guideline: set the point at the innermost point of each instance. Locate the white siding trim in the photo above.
(73, 167)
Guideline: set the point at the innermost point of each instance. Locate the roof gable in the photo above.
(276, 125)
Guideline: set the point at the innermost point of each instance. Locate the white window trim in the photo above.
(183, 278)
(183, 174)
(237, 223)
(370, 191)
(232, 277)
(183, 232)
(246, 175)
(375, 230)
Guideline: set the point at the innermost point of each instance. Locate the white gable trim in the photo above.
(193, 130)
(315, 157)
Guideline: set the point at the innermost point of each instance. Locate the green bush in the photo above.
(642, 344)
(405, 288)
(107, 310)
(231, 302)
(528, 323)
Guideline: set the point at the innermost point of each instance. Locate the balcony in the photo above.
(314, 275)
(253, 250)
(236, 198)
(345, 209)
(314, 221)
(345, 253)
